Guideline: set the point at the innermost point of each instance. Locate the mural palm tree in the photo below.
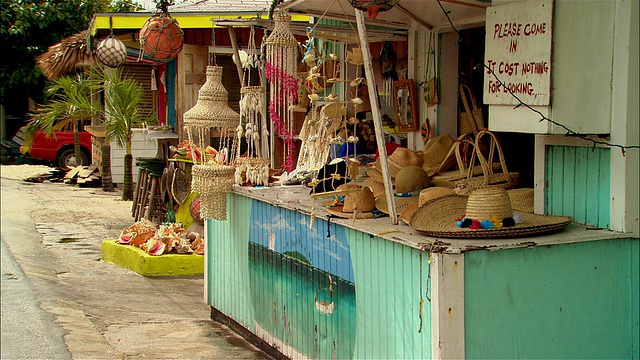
(69, 103)
(123, 99)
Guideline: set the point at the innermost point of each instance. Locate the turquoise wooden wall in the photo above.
(390, 281)
(559, 302)
(577, 181)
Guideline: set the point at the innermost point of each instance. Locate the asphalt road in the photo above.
(60, 301)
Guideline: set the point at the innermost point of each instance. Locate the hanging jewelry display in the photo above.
(254, 167)
(281, 66)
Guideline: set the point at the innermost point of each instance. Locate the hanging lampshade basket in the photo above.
(212, 182)
(161, 37)
(373, 7)
(211, 111)
(111, 52)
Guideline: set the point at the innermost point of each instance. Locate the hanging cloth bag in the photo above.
(430, 86)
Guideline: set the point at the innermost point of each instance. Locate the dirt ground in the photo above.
(54, 231)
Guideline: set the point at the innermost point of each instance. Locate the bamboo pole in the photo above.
(234, 45)
(375, 112)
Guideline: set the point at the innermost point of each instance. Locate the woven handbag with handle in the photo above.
(470, 121)
(488, 177)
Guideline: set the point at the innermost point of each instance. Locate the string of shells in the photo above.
(254, 167)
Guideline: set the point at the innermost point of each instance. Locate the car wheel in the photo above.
(67, 159)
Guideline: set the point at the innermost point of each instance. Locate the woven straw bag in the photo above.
(489, 177)
(460, 153)
(470, 121)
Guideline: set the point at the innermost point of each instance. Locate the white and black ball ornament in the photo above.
(111, 52)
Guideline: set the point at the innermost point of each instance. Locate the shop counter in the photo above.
(343, 289)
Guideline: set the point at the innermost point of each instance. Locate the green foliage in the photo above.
(28, 28)
(123, 97)
(68, 101)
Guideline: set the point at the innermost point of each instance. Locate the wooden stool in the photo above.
(156, 208)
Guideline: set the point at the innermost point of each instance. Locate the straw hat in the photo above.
(377, 187)
(426, 195)
(521, 199)
(356, 204)
(435, 151)
(485, 213)
(403, 157)
(375, 174)
(409, 182)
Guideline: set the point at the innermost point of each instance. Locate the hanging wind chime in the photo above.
(161, 36)
(254, 167)
(281, 66)
(212, 176)
(111, 51)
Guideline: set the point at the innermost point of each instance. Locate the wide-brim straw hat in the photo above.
(359, 205)
(403, 157)
(521, 199)
(425, 196)
(375, 174)
(440, 217)
(435, 152)
(377, 187)
(410, 181)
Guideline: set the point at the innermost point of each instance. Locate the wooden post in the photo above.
(234, 45)
(375, 112)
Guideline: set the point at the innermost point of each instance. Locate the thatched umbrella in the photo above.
(70, 53)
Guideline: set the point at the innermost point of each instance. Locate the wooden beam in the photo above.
(413, 17)
(375, 112)
(234, 45)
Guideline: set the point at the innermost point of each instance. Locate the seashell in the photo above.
(353, 121)
(331, 97)
(155, 247)
(356, 81)
(314, 97)
(333, 56)
(357, 101)
(352, 139)
(183, 248)
(336, 140)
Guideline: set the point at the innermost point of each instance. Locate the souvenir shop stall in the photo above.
(431, 248)
(432, 251)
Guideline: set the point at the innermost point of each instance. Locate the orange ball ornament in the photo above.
(161, 37)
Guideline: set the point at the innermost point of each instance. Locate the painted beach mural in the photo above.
(302, 284)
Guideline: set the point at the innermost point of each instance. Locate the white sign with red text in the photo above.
(518, 53)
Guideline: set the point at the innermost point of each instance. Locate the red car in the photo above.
(59, 148)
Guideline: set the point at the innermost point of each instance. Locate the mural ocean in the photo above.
(302, 284)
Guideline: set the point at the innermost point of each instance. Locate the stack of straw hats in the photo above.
(485, 213)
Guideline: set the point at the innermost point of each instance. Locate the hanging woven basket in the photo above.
(161, 37)
(212, 182)
(111, 52)
(211, 111)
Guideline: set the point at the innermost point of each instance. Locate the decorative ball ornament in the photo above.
(111, 52)
(161, 37)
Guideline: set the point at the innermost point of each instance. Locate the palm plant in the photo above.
(69, 102)
(123, 97)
